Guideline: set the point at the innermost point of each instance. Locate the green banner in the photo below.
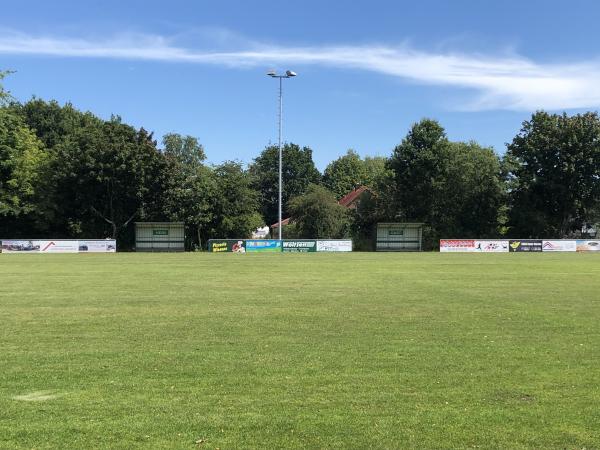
(299, 246)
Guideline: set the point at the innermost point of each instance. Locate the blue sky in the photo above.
(367, 69)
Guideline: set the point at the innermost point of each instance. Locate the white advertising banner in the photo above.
(20, 246)
(457, 245)
(491, 246)
(559, 246)
(98, 246)
(334, 246)
(588, 246)
(58, 246)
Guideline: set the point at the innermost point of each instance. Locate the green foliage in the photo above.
(234, 205)
(456, 188)
(317, 214)
(298, 172)
(22, 165)
(555, 174)
(189, 187)
(349, 172)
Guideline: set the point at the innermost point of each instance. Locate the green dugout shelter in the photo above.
(159, 237)
(399, 237)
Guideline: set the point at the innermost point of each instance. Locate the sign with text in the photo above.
(59, 246)
(299, 246)
(334, 246)
(559, 246)
(588, 246)
(263, 245)
(227, 246)
(525, 245)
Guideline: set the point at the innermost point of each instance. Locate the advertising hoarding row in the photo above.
(518, 245)
(59, 246)
(274, 245)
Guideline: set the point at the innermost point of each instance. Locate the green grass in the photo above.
(300, 351)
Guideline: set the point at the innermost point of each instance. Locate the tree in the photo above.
(234, 205)
(22, 165)
(454, 187)
(349, 172)
(555, 174)
(189, 186)
(298, 172)
(317, 214)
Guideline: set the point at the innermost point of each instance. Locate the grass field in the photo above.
(300, 351)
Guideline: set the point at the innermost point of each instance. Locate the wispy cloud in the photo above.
(499, 82)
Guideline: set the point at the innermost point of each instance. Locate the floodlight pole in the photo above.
(288, 74)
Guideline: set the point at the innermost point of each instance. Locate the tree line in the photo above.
(65, 173)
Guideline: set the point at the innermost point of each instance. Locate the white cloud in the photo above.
(504, 82)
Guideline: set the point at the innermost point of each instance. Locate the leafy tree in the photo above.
(22, 165)
(189, 186)
(298, 172)
(555, 174)
(317, 214)
(350, 171)
(454, 187)
(344, 174)
(234, 205)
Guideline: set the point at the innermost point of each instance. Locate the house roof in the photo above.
(351, 197)
(347, 200)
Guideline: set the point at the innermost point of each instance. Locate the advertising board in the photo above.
(492, 246)
(263, 245)
(59, 246)
(334, 246)
(588, 246)
(525, 245)
(20, 246)
(559, 246)
(300, 245)
(227, 246)
(97, 246)
(457, 245)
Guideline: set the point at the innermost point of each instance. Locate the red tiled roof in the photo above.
(347, 200)
(351, 197)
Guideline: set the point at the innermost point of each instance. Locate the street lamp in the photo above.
(273, 74)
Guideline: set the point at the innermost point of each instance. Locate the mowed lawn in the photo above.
(300, 351)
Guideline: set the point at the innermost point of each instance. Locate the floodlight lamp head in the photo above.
(289, 73)
(272, 73)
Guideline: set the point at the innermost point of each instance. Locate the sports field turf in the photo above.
(300, 351)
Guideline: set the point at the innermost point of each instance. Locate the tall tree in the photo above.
(555, 172)
(22, 166)
(454, 187)
(350, 171)
(235, 203)
(189, 186)
(317, 214)
(298, 172)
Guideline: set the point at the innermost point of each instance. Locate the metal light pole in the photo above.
(273, 74)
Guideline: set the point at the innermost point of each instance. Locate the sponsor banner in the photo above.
(263, 245)
(20, 246)
(491, 246)
(227, 246)
(559, 246)
(525, 245)
(56, 246)
(299, 246)
(588, 246)
(98, 246)
(59, 246)
(457, 245)
(334, 246)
